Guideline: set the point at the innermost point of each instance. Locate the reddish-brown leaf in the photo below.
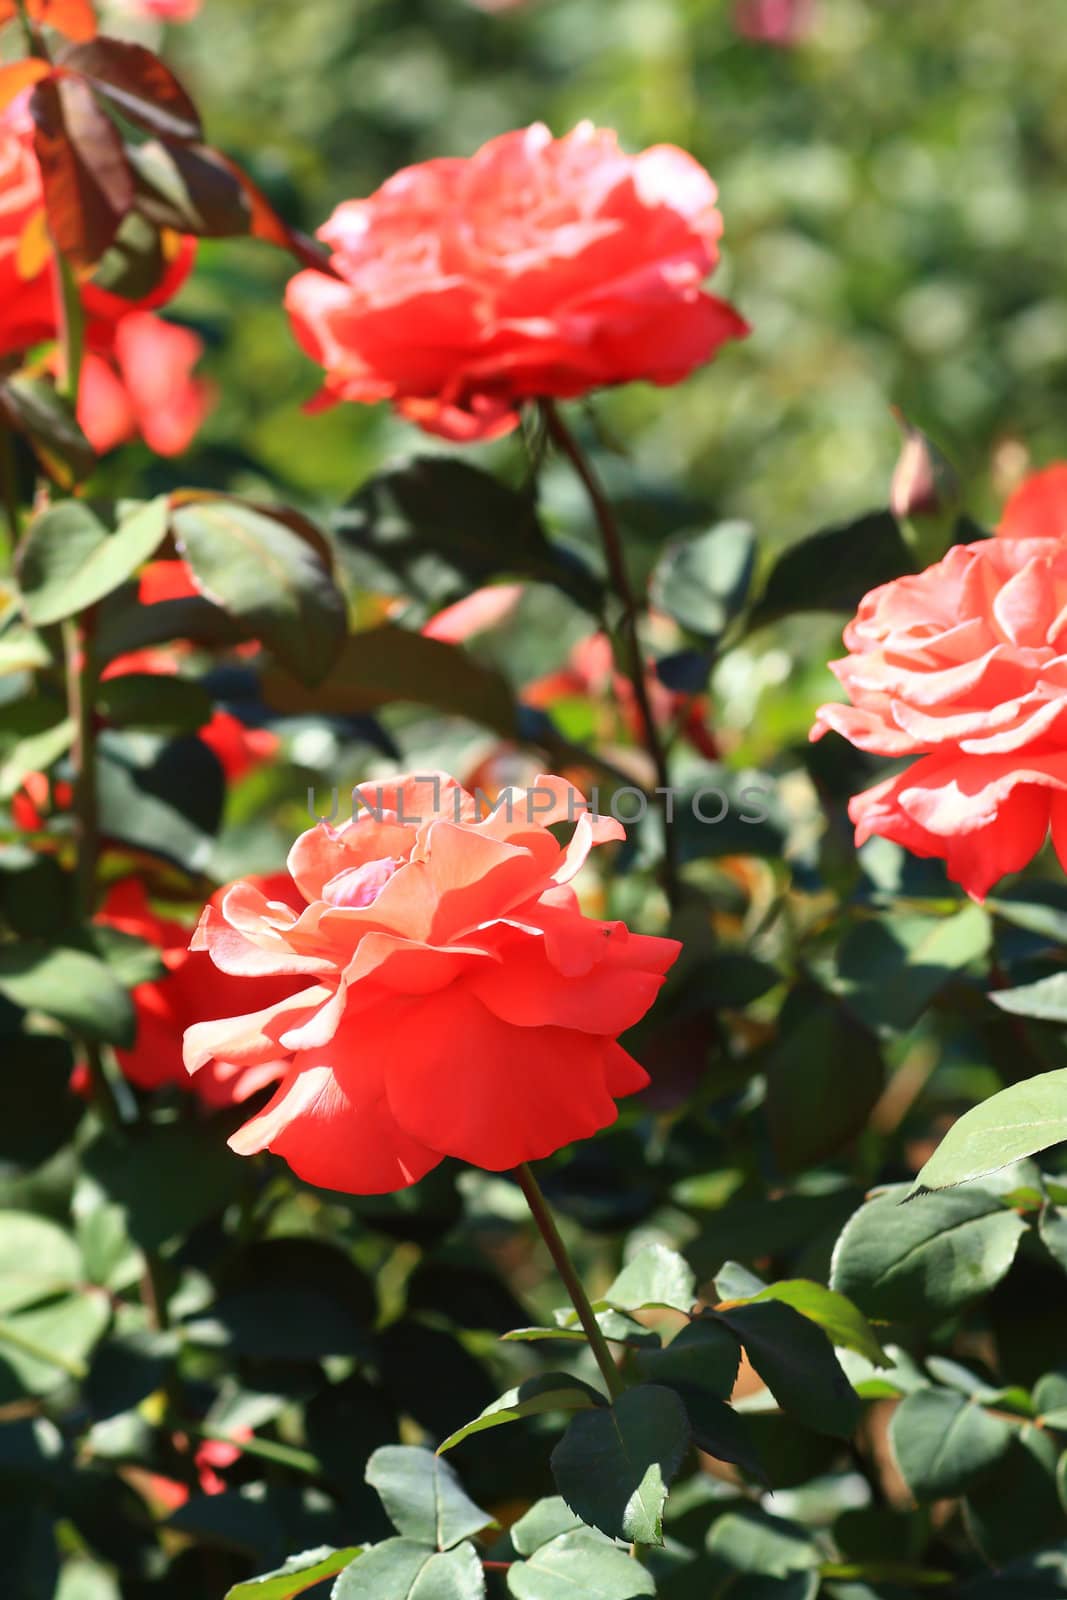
(267, 224)
(138, 84)
(88, 185)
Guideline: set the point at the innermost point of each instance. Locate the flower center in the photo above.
(360, 886)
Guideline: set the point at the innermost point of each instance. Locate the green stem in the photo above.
(634, 663)
(282, 1455)
(34, 43)
(71, 326)
(546, 1225)
(9, 495)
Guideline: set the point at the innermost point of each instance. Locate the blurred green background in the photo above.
(895, 218)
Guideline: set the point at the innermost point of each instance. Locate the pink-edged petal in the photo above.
(250, 1039)
(867, 730)
(410, 967)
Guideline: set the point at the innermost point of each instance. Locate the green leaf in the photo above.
(35, 408)
(1046, 1000)
(73, 987)
(423, 1497)
(36, 753)
(37, 1259)
(704, 1353)
(613, 1466)
(1019, 1121)
(888, 970)
(581, 1565)
(942, 1442)
(796, 1361)
(548, 1391)
(1042, 1575)
(824, 1074)
(267, 577)
(161, 795)
(435, 528)
(703, 581)
(385, 664)
(149, 700)
(147, 1175)
(752, 1541)
(1015, 1507)
(842, 1322)
(719, 1430)
(295, 1575)
(1052, 1227)
(834, 569)
(47, 1345)
(69, 559)
(544, 1521)
(655, 1277)
(927, 1258)
(401, 1569)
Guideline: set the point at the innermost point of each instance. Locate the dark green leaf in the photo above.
(796, 1361)
(840, 1320)
(387, 664)
(160, 704)
(434, 528)
(942, 1442)
(272, 581)
(161, 795)
(35, 407)
(69, 559)
(544, 1521)
(926, 1258)
(705, 1354)
(147, 1175)
(702, 582)
(1015, 1508)
(824, 1074)
(424, 1497)
(73, 987)
(888, 970)
(834, 569)
(614, 1465)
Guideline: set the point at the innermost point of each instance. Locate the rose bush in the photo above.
(537, 268)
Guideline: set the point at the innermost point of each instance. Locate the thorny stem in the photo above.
(546, 1226)
(565, 441)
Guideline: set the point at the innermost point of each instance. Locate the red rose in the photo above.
(538, 267)
(1038, 508)
(166, 1006)
(144, 386)
(964, 665)
(457, 1002)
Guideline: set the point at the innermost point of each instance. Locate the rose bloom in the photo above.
(144, 387)
(166, 1006)
(456, 1003)
(1038, 508)
(776, 22)
(965, 666)
(538, 267)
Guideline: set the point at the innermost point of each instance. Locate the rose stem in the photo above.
(611, 540)
(546, 1224)
(81, 689)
